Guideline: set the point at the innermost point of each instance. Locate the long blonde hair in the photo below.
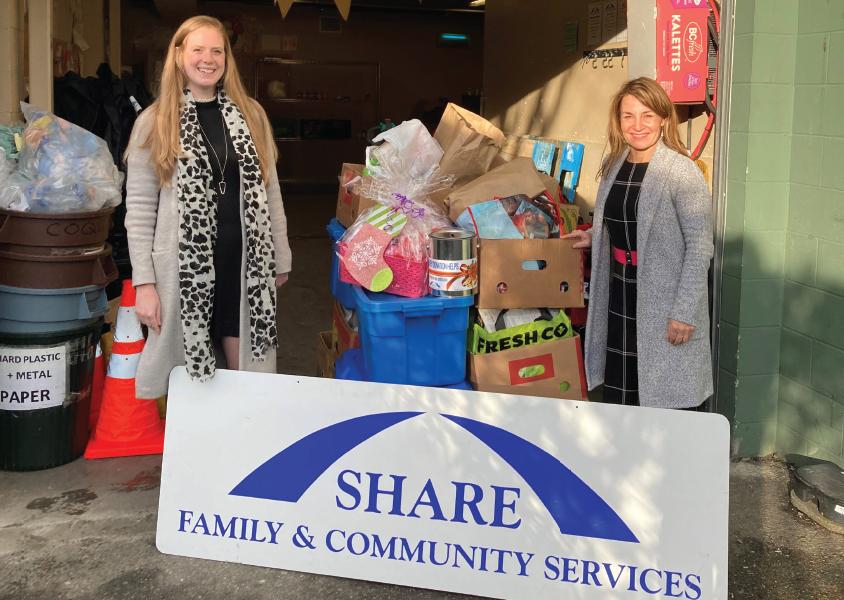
(650, 93)
(163, 140)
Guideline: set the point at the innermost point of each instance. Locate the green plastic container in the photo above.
(45, 396)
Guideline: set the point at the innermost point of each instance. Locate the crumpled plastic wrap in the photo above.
(407, 149)
(61, 168)
(404, 179)
(423, 216)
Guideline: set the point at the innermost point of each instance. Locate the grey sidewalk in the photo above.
(87, 531)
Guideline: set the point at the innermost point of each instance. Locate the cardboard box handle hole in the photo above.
(534, 265)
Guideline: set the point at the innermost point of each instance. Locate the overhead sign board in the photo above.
(484, 494)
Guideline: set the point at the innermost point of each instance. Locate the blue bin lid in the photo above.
(335, 229)
(381, 303)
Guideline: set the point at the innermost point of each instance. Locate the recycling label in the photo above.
(32, 378)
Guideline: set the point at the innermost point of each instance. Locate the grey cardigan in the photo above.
(674, 248)
(152, 225)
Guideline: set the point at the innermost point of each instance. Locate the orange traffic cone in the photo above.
(97, 388)
(126, 426)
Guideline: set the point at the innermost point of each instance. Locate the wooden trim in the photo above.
(41, 53)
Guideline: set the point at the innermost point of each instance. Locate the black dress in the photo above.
(225, 317)
(621, 379)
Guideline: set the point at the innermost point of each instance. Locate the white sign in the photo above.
(485, 494)
(32, 378)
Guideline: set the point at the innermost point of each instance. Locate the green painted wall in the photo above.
(811, 395)
(758, 175)
(781, 374)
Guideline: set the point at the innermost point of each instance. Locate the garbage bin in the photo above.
(45, 395)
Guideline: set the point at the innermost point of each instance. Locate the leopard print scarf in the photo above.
(198, 233)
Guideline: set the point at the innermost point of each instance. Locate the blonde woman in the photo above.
(204, 216)
(647, 333)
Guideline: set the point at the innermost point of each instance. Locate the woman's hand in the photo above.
(583, 239)
(281, 279)
(148, 306)
(679, 332)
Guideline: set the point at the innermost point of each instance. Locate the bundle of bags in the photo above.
(60, 168)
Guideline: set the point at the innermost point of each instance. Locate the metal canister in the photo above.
(452, 263)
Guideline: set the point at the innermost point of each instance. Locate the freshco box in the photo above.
(553, 370)
(505, 282)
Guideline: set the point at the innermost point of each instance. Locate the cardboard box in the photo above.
(343, 336)
(111, 312)
(505, 283)
(682, 39)
(325, 354)
(554, 370)
(349, 203)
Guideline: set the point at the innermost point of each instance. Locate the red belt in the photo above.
(625, 257)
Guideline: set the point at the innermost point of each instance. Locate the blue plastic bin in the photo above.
(415, 341)
(343, 292)
(350, 367)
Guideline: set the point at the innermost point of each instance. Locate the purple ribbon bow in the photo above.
(406, 205)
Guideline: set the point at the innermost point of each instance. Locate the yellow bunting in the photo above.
(343, 6)
(284, 6)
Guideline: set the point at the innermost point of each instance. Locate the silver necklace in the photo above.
(221, 185)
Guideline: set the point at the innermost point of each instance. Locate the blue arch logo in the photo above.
(575, 507)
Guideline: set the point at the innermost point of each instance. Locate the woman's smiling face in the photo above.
(203, 60)
(640, 126)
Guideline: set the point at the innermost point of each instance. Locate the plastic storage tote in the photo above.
(350, 367)
(343, 292)
(415, 341)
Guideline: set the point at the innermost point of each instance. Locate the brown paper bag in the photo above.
(518, 176)
(469, 143)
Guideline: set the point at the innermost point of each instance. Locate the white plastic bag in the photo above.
(61, 168)
(407, 148)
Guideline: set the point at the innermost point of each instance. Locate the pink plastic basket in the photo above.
(410, 278)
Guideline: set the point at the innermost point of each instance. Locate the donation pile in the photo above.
(483, 305)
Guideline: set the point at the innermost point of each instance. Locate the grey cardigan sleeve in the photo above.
(693, 205)
(142, 195)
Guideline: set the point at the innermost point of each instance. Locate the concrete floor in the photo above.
(86, 531)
